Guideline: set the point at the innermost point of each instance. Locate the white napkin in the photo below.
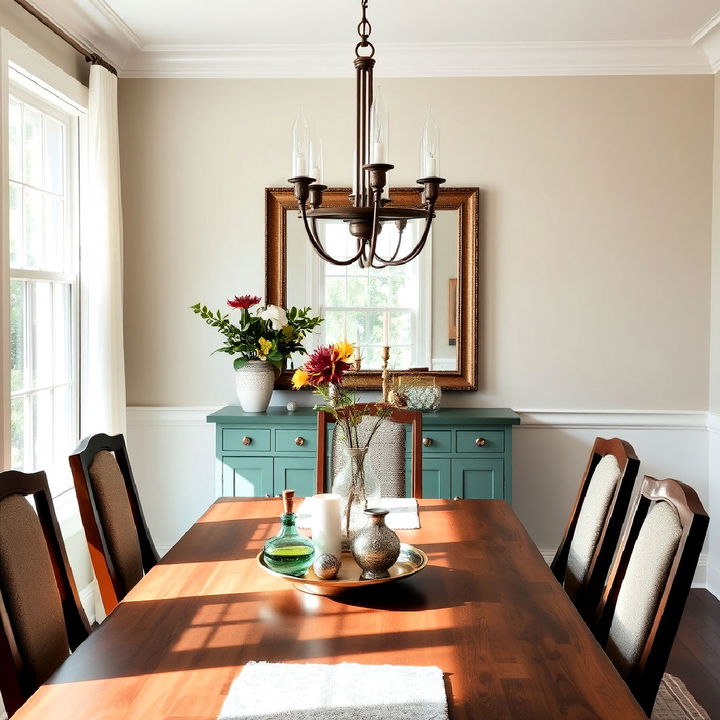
(285, 691)
(403, 513)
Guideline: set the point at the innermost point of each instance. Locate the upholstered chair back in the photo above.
(120, 545)
(593, 530)
(43, 619)
(386, 451)
(649, 582)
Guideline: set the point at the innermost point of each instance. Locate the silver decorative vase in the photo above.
(376, 547)
(358, 486)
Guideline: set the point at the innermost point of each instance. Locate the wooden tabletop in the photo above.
(486, 610)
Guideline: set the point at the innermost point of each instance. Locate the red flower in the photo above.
(324, 366)
(243, 301)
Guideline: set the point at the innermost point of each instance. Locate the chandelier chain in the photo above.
(364, 29)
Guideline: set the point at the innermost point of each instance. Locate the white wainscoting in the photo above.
(172, 451)
(713, 508)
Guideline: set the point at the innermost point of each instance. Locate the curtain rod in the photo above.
(90, 56)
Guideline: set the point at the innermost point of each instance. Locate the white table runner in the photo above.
(348, 691)
(403, 513)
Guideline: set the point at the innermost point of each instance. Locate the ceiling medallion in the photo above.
(371, 206)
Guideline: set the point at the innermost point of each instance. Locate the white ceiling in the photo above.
(413, 37)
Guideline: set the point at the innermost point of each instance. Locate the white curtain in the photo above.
(103, 362)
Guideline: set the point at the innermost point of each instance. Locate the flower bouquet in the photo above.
(324, 371)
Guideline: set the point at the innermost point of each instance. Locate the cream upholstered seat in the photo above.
(37, 591)
(591, 520)
(643, 586)
(649, 582)
(593, 530)
(386, 454)
(118, 538)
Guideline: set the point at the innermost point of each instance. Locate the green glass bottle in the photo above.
(289, 552)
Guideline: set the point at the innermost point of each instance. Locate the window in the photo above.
(357, 303)
(43, 183)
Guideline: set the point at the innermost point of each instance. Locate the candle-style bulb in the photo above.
(379, 129)
(300, 146)
(430, 148)
(315, 153)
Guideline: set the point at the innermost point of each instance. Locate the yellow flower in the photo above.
(300, 379)
(263, 348)
(344, 350)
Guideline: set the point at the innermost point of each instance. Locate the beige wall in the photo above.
(596, 222)
(715, 299)
(26, 28)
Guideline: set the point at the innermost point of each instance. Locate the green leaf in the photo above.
(240, 362)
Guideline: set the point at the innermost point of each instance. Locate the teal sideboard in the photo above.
(467, 452)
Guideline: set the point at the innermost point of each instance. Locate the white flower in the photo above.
(275, 315)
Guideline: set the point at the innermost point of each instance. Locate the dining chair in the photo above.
(386, 450)
(41, 618)
(593, 530)
(642, 605)
(119, 541)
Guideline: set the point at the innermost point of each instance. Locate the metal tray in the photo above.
(410, 561)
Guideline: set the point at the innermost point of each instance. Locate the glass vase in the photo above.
(359, 488)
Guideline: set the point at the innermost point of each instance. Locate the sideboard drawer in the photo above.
(489, 441)
(298, 440)
(436, 441)
(249, 439)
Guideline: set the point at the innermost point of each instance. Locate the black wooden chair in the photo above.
(593, 530)
(41, 618)
(120, 545)
(642, 605)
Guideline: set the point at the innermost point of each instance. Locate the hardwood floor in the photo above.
(695, 656)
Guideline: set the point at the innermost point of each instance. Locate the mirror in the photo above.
(426, 309)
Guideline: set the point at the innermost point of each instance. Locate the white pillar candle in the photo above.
(431, 167)
(326, 524)
(378, 154)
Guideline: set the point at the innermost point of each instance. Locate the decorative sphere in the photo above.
(326, 566)
(291, 406)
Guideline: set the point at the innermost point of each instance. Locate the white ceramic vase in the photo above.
(254, 384)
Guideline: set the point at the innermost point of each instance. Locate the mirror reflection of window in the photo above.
(358, 304)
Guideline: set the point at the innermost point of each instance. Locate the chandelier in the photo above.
(371, 207)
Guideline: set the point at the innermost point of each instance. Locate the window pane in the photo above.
(18, 330)
(400, 330)
(42, 430)
(335, 295)
(16, 226)
(15, 137)
(17, 433)
(333, 326)
(52, 258)
(32, 225)
(53, 155)
(32, 146)
(357, 291)
(62, 328)
(375, 327)
(42, 333)
(401, 357)
(378, 291)
(64, 437)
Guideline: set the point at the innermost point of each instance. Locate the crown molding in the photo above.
(708, 38)
(420, 60)
(94, 24)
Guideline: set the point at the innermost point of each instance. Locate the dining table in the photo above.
(486, 610)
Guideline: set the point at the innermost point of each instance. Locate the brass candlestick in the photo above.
(385, 373)
(356, 360)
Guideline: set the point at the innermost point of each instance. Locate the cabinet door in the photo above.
(296, 473)
(247, 476)
(478, 479)
(436, 478)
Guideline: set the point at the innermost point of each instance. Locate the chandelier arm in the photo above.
(377, 202)
(315, 241)
(393, 256)
(418, 248)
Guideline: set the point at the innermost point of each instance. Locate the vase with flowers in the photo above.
(356, 483)
(261, 341)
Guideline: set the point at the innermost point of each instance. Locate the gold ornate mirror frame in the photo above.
(466, 201)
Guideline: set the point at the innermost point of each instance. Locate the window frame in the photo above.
(33, 78)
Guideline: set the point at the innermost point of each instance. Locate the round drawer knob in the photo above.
(427, 442)
(246, 440)
(267, 495)
(457, 497)
(299, 440)
(480, 442)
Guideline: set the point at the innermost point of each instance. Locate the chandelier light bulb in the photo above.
(379, 127)
(300, 145)
(430, 148)
(315, 154)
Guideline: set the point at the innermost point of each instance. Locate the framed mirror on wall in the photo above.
(425, 310)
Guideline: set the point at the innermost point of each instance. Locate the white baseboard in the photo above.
(89, 599)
